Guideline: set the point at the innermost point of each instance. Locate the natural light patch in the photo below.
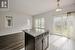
(64, 25)
(60, 42)
(22, 49)
(39, 24)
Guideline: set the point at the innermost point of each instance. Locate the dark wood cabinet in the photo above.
(29, 42)
(12, 41)
(45, 42)
(40, 42)
(25, 40)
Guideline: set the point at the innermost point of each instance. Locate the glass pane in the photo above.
(36, 23)
(63, 25)
(39, 23)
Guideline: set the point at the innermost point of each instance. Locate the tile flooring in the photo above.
(60, 43)
(22, 49)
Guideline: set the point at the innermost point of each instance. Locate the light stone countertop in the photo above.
(8, 33)
(31, 32)
(35, 33)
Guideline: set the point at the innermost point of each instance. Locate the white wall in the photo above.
(19, 19)
(73, 34)
(19, 22)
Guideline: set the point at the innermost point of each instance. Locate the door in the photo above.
(63, 25)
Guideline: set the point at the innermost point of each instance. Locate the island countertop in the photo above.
(35, 32)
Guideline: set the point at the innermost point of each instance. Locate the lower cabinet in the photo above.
(45, 42)
(40, 42)
(29, 42)
(13, 41)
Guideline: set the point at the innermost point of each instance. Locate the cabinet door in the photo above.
(30, 45)
(12, 41)
(29, 42)
(45, 42)
(39, 44)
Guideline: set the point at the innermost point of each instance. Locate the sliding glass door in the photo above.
(64, 25)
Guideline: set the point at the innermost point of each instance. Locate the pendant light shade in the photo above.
(58, 9)
(58, 6)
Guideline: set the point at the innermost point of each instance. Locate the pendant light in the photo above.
(58, 6)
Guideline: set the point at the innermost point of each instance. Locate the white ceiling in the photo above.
(34, 7)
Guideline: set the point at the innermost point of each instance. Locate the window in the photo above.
(63, 25)
(3, 3)
(39, 24)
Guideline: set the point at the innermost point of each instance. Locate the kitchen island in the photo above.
(36, 40)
